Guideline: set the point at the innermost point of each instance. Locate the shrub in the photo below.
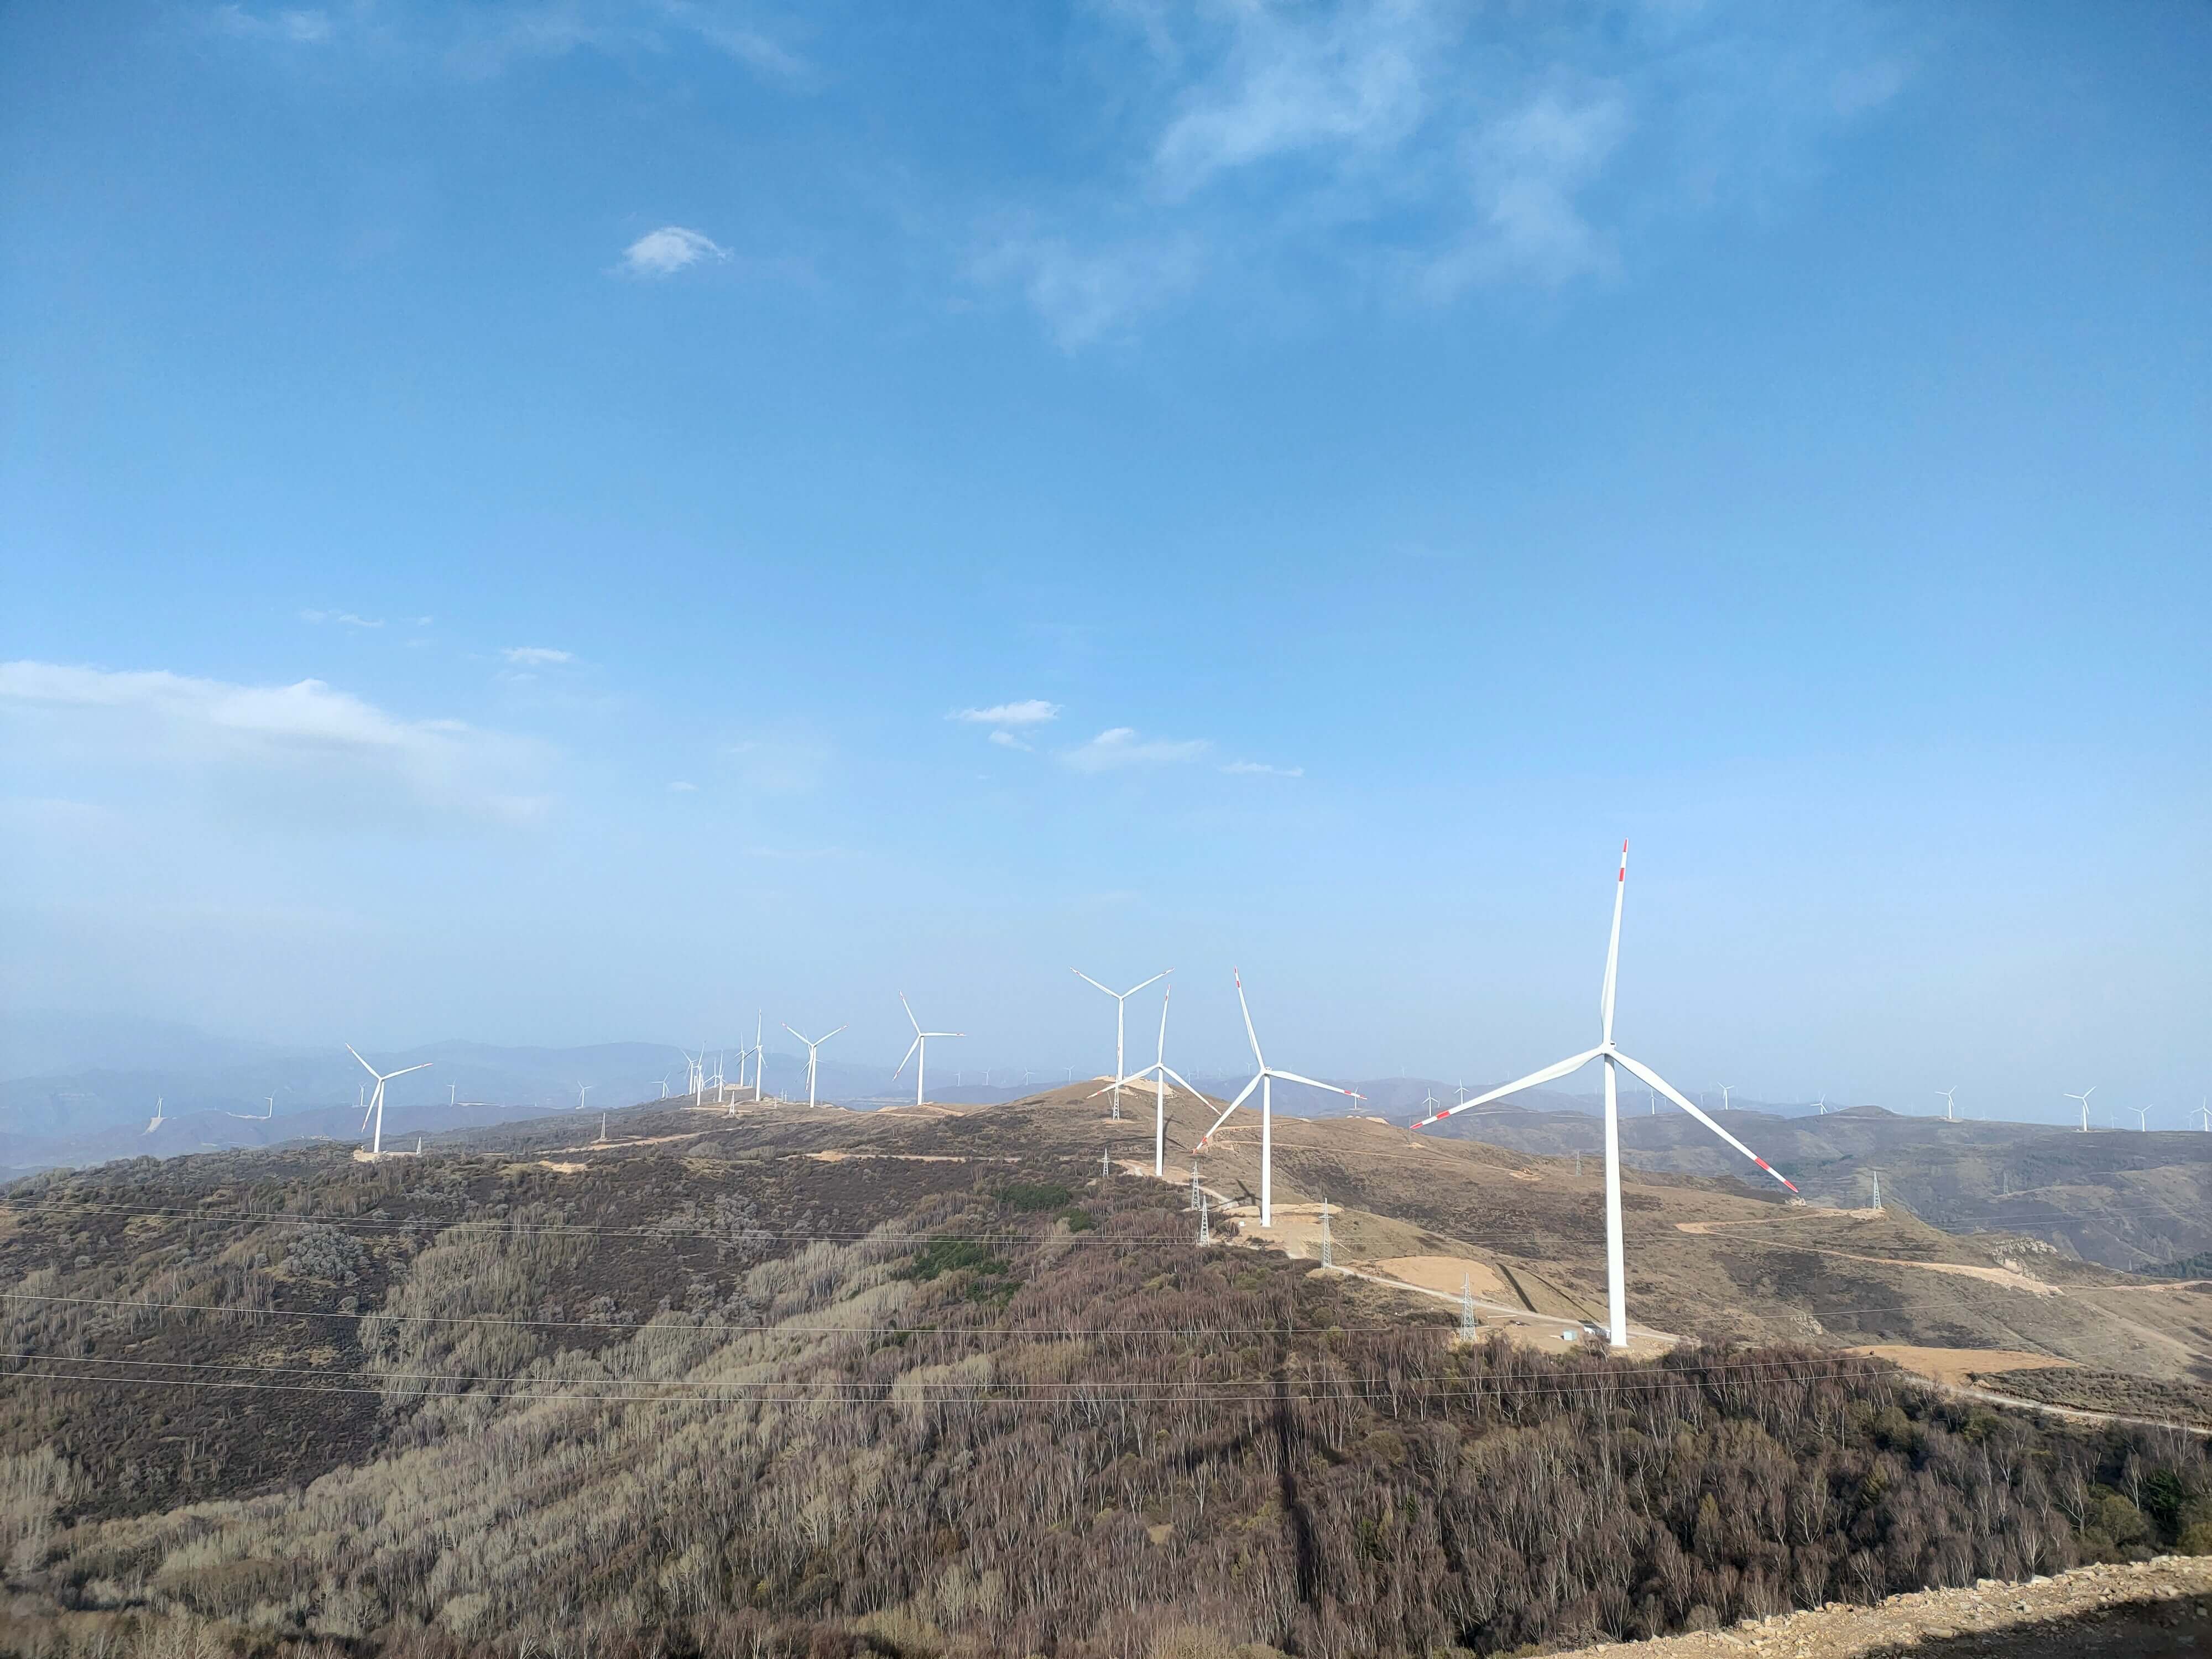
(1029, 1196)
(319, 1252)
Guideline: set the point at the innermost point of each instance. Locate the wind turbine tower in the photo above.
(375, 1107)
(2084, 1098)
(1264, 1081)
(158, 1120)
(918, 1050)
(1614, 1060)
(1948, 1095)
(1159, 1071)
(1120, 1010)
(813, 1044)
(2142, 1117)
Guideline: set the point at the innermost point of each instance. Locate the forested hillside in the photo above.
(740, 1403)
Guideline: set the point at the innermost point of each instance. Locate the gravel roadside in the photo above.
(2151, 1608)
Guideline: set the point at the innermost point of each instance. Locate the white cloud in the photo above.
(680, 787)
(1303, 80)
(532, 655)
(1033, 712)
(1085, 295)
(1258, 768)
(304, 748)
(343, 618)
(1119, 746)
(298, 28)
(665, 251)
(1529, 169)
(1008, 740)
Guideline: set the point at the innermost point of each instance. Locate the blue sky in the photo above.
(557, 523)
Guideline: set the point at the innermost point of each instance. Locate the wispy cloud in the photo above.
(665, 251)
(1084, 294)
(355, 755)
(1120, 747)
(293, 28)
(680, 787)
(530, 656)
(1034, 711)
(1423, 150)
(1258, 768)
(1008, 740)
(343, 618)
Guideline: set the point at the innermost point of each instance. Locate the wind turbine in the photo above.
(2203, 1115)
(1159, 1071)
(2084, 1098)
(1725, 1087)
(1615, 1269)
(1948, 1094)
(1824, 1105)
(2142, 1117)
(158, 1119)
(376, 1100)
(582, 1089)
(1121, 1008)
(812, 1043)
(920, 1046)
(759, 1056)
(1264, 1081)
(1429, 1100)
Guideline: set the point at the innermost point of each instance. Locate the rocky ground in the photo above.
(2157, 1609)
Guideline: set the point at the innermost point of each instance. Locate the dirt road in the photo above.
(2156, 1609)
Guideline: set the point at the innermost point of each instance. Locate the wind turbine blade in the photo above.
(1164, 995)
(1668, 1089)
(1194, 1093)
(1612, 951)
(1154, 980)
(403, 1070)
(1245, 1095)
(1573, 1063)
(1292, 1077)
(910, 1047)
(1249, 1032)
(1087, 980)
(820, 1041)
(911, 1019)
(801, 1038)
(365, 1066)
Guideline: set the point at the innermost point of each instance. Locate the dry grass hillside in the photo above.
(929, 1382)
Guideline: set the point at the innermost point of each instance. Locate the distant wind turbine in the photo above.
(918, 1050)
(2203, 1116)
(2084, 1098)
(1616, 1273)
(158, 1120)
(376, 1100)
(812, 1045)
(2142, 1117)
(1947, 1095)
(1264, 1081)
(1824, 1105)
(1120, 1009)
(582, 1089)
(1159, 1071)
(1725, 1087)
(760, 1056)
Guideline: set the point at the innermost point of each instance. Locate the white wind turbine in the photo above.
(1615, 1270)
(376, 1100)
(2203, 1116)
(2084, 1098)
(2142, 1117)
(1159, 1071)
(1121, 1008)
(158, 1120)
(920, 1046)
(812, 1045)
(1264, 1081)
(1947, 1095)
(760, 1056)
